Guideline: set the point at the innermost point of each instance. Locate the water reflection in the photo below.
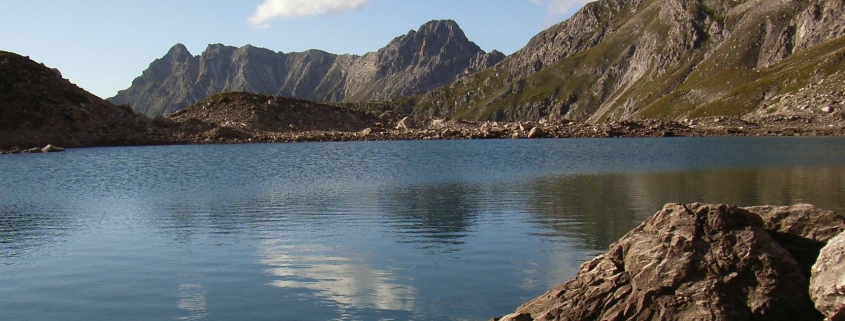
(434, 215)
(25, 227)
(339, 277)
(598, 209)
(191, 298)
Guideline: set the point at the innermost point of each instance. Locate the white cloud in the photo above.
(271, 9)
(561, 7)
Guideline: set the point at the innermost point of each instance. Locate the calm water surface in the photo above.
(442, 230)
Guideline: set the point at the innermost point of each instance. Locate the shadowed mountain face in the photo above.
(39, 107)
(435, 55)
(621, 59)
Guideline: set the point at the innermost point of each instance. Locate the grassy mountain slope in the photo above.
(617, 59)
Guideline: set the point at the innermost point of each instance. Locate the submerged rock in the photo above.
(687, 262)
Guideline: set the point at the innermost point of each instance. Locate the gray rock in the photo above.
(827, 109)
(52, 149)
(687, 262)
(414, 63)
(827, 285)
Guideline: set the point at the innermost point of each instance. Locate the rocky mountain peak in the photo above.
(443, 29)
(433, 56)
(178, 51)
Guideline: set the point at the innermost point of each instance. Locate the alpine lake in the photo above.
(409, 230)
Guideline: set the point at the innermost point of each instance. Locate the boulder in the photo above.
(52, 149)
(802, 229)
(406, 123)
(687, 262)
(827, 284)
(802, 220)
(536, 132)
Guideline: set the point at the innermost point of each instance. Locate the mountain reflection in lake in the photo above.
(357, 231)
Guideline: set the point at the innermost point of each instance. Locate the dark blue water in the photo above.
(457, 230)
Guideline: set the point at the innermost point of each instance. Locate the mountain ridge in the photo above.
(616, 60)
(434, 55)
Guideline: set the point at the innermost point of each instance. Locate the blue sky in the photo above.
(102, 45)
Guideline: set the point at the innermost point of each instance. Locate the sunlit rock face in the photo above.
(435, 55)
(700, 262)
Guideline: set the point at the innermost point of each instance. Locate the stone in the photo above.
(827, 284)
(827, 109)
(536, 132)
(366, 131)
(224, 132)
(802, 220)
(52, 149)
(801, 229)
(687, 262)
(406, 123)
(515, 317)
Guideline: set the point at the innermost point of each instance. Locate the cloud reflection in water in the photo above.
(345, 280)
(192, 300)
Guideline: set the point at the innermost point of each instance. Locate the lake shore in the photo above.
(395, 127)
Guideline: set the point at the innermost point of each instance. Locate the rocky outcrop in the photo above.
(259, 113)
(696, 262)
(40, 108)
(630, 59)
(801, 229)
(827, 285)
(435, 55)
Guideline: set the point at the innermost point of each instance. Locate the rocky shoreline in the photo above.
(167, 132)
(710, 262)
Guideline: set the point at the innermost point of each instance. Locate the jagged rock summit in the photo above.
(435, 55)
(39, 107)
(672, 59)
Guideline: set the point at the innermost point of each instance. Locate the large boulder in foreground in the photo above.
(687, 262)
(827, 285)
(801, 229)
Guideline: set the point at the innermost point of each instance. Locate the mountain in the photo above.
(675, 59)
(39, 107)
(435, 55)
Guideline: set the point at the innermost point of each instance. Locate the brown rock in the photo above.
(224, 132)
(536, 132)
(827, 285)
(406, 123)
(802, 220)
(687, 262)
(802, 229)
